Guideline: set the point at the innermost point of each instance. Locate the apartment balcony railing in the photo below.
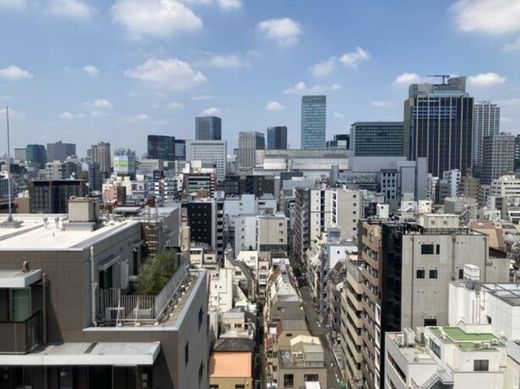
(115, 308)
(21, 337)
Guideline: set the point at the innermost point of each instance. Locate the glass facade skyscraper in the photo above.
(438, 124)
(161, 147)
(277, 138)
(208, 128)
(314, 122)
(377, 138)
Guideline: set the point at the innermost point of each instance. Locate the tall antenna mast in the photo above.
(10, 217)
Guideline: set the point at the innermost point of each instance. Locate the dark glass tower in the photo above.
(314, 122)
(208, 128)
(277, 138)
(161, 147)
(438, 123)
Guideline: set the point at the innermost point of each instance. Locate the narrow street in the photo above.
(333, 376)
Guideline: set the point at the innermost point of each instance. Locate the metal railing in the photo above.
(20, 337)
(113, 307)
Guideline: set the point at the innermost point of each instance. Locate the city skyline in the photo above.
(113, 78)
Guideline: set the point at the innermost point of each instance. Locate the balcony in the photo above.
(115, 308)
(21, 337)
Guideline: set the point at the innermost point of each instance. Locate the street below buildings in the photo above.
(311, 316)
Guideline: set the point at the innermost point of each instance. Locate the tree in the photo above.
(155, 273)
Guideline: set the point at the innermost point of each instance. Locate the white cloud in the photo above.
(338, 115)
(301, 89)
(70, 115)
(14, 73)
(381, 104)
(175, 106)
(487, 16)
(99, 104)
(512, 102)
(90, 69)
(171, 73)
(210, 111)
(486, 80)
(223, 4)
(512, 46)
(408, 78)
(324, 68)
(74, 9)
(354, 58)
(158, 18)
(13, 4)
(231, 61)
(201, 98)
(285, 31)
(274, 106)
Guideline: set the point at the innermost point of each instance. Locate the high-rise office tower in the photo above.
(36, 156)
(94, 176)
(340, 141)
(208, 128)
(486, 121)
(161, 147)
(100, 153)
(277, 138)
(180, 150)
(59, 151)
(377, 139)
(517, 152)
(211, 153)
(438, 122)
(248, 143)
(314, 122)
(498, 157)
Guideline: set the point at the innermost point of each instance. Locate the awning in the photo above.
(88, 354)
(106, 263)
(18, 278)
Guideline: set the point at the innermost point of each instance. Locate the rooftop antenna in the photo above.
(443, 76)
(10, 222)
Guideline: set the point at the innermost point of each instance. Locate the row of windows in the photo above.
(432, 273)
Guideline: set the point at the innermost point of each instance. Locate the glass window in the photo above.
(434, 273)
(288, 380)
(426, 249)
(311, 378)
(420, 273)
(66, 377)
(21, 309)
(481, 365)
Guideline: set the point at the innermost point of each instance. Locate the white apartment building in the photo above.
(505, 186)
(459, 357)
(209, 152)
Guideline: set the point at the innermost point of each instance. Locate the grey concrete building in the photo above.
(498, 157)
(248, 143)
(59, 151)
(100, 153)
(68, 318)
(212, 153)
(486, 122)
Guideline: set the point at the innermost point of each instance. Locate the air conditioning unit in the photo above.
(486, 345)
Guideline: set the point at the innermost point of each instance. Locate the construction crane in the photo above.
(443, 76)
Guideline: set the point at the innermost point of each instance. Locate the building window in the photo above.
(66, 378)
(311, 378)
(187, 353)
(420, 273)
(430, 322)
(240, 386)
(433, 273)
(288, 380)
(201, 317)
(427, 249)
(436, 349)
(213, 386)
(461, 274)
(480, 365)
(437, 249)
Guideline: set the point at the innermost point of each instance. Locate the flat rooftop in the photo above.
(42, 232)
(509, 293)
(466, 341)
(88, 354)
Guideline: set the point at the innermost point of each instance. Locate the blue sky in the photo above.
(90, 70)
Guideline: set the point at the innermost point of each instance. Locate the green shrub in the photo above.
(155, 273)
